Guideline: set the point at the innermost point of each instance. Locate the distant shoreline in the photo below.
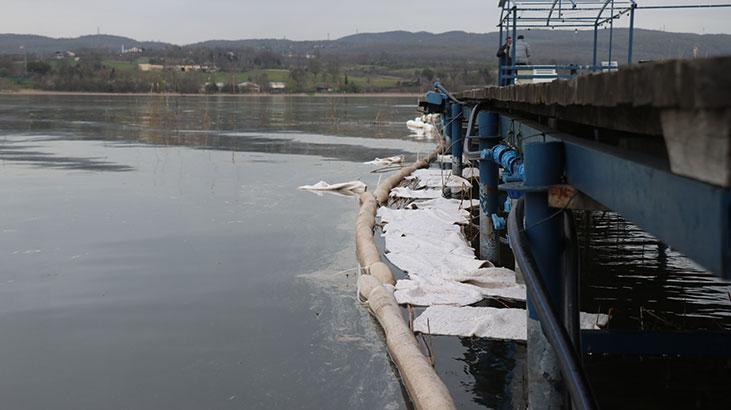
(30, 92)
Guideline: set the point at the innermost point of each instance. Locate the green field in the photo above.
(273, 74)
(120, 65)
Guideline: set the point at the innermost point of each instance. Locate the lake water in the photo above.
(156, 252)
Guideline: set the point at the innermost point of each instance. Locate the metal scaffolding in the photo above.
(572, 14)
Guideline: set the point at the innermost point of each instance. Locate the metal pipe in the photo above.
(686, 6)
(574, 376)
(515, 37)
(611, 35)
(487, 125)
(500, 67)
(594, 58)
(446, 92)
(457, 139)
(631, 33)
(447, 123)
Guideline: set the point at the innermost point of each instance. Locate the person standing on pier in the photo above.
(522, 51)
(503, 54)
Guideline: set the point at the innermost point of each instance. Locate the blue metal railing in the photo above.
(510, 72)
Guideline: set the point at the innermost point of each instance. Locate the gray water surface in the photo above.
(156, 252)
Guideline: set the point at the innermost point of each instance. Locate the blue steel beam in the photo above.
(693, 217)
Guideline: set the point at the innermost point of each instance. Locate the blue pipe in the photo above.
(596, 28)
(447, 123)
(507, 158)
(631, 33)
(515, 38)
(457, 148)
(545, 167)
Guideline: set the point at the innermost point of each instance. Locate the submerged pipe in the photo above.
(568, 360)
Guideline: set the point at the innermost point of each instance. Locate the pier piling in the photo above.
(544, 167)
(487, 123)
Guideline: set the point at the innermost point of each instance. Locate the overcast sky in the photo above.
(188, 21)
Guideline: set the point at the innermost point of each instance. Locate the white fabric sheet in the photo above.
(403, 192)
(493, 323)
(383, 162)
(347, 188)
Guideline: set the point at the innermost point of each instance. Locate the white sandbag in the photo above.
(383, 162)
(351, 188)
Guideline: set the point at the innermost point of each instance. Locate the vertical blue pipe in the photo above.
(593, 68)
(631, 33)
(457, 139)
(499, 61)
(447, 123)
(512, 47)
(543, 167)
(611, 33)
(487, 124)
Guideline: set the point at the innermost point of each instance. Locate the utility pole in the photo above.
(25, 60)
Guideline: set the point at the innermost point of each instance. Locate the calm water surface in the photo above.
(157, 254)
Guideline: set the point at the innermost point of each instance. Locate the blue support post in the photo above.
(512, 47)
(487, 124)
(457, 139)
(611, 35)
(596, 29)
(631, 33)
(543, 167)
(447, 123)
(499, 62)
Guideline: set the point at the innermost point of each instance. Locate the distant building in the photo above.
(186, 68)
(60, 56)
(150, 67)
(277, 86)
(249, 87)
(133, 50)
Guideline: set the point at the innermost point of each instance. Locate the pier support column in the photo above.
(543, 167)
(447, 125)
(487, 124)
(457, 139)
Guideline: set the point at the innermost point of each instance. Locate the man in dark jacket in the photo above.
(503, 54)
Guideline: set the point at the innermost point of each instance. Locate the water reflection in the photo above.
(184, 282)
(644, 283)
(30, 154)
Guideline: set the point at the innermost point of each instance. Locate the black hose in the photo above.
(568, 361)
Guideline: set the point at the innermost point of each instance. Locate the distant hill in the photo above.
(11, 43)
(421, 47)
